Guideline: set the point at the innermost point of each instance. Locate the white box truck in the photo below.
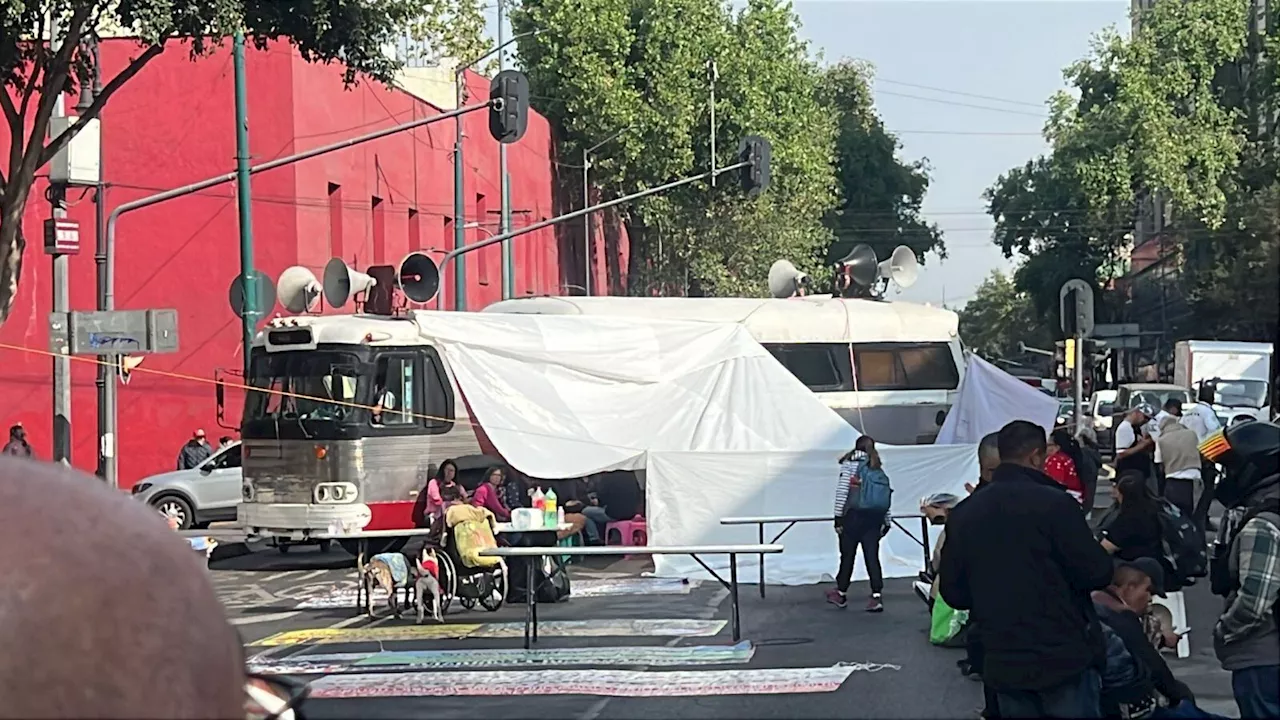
(1233, 377)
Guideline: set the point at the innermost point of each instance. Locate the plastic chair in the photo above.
(627, 532)
(574, 540)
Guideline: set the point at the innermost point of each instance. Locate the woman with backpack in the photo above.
(862, 506)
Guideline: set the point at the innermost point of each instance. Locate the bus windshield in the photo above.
(306, 385)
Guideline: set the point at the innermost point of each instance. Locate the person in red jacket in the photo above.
(1063, 461)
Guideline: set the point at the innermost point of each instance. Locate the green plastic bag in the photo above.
(946, 621)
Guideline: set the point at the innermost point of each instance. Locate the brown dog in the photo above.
(378, 573)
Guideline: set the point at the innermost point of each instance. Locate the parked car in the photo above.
(1102, 407)
(197, 497)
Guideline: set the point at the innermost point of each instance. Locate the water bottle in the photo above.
(540, 505)
(549, 509)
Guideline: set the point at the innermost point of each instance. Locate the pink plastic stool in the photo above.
(629, 532)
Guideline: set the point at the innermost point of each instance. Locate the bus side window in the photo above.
(395, 392)
(906, 366)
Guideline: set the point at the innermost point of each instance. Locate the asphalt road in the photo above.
(792, 628)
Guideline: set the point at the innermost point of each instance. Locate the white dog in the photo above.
(428, 585)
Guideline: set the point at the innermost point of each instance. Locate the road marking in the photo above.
(272, 617)
(612, 683)
(414, 660)
(310, 576)
(567, 628)
(276, 576)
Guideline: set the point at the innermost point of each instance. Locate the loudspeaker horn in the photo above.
(861, 262)
(785, 280)
(418, 277)
(298, 290)
(341, 282)
(901, 267)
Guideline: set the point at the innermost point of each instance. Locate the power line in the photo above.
(958, 103)
(959, 93)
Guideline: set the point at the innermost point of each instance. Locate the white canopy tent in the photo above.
(719, 426)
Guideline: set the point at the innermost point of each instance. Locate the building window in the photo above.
(379, 231)
(415, 232)
(335, 220)
(446, 235)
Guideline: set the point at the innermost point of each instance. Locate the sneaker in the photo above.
(874, 604)
(837, 598)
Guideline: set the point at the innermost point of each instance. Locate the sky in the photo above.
(964, 85)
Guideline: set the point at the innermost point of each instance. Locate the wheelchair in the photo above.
(485, 586)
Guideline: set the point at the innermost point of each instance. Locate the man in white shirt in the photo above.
(1133, 446)
(1201, 419)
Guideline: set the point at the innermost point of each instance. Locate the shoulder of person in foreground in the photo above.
(1084, 561)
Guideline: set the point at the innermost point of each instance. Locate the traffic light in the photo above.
(1070, 318)
(755, 151)
(509, 111)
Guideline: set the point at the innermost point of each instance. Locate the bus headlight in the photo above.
(336, 493)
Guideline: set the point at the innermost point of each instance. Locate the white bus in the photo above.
(890, 369)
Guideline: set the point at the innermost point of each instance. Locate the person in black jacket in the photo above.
(1020, 557)
(1119, 607)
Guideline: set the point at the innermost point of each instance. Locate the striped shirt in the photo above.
(848, 479)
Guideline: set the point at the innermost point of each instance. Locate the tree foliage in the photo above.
(880, 195)
(633, 76)
(999, 317)
(1173, 112)
(451, 30)
(33, 74)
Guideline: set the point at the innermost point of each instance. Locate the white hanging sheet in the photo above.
(990, 398)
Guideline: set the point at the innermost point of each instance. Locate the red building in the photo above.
(172, 125)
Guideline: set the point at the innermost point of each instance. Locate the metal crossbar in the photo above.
(792, 520)
(693, 551)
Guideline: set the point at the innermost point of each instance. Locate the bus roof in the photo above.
(813, 319)
(373, 330)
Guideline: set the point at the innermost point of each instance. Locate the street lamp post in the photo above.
(586, 202)
(459, 196)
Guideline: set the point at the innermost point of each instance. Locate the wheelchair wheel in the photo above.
(493, 600)
(448, 581)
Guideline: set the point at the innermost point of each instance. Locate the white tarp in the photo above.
(990, 398)
(720, 426)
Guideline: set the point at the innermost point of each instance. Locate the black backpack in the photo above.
(1184, 543)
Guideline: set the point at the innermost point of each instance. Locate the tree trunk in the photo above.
(13, 243)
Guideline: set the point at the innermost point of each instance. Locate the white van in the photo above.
(908, 357)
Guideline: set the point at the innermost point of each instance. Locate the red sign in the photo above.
(61, 236)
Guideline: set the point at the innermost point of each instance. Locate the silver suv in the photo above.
(197, 497)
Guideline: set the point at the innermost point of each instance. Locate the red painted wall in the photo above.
(172, 125)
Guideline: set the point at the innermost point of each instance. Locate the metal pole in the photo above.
(104, 373)
(107, 249)
(1079, 383)
(504, 180)
(61, 295)
(713, 76)
(586, 221)
(459, 198)
(244, 203)
(459, 205)
(456, 253)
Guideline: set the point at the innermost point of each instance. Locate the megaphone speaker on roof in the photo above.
(785, 280)
(861, 264)
(902, 267)
(418, 277)
(298, 290)
(341, 282)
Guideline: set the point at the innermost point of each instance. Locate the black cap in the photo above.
(1151, 568)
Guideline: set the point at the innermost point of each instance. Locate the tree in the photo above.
(880, 195)
(451, 30)
(637, 71)
(1171, 113)
(33, 74)
(998, 318)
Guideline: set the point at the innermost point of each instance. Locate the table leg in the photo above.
(733, 594)
(761, 528)
(924, 542)
(531, 596)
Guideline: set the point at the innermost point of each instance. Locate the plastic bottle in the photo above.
(559, 517)
(549, 508)
(540, 505)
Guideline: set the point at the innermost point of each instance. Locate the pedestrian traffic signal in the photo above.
(755, 151)
(509, 106)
